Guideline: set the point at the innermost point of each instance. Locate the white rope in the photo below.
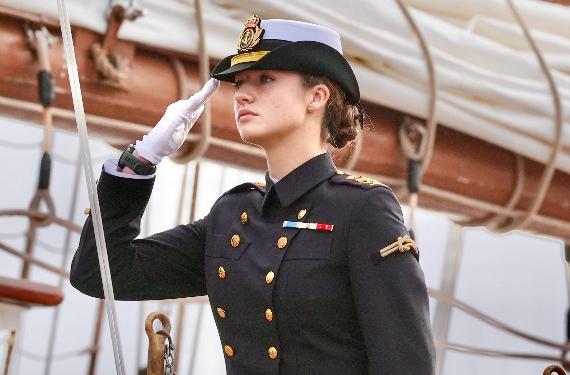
(91, 185)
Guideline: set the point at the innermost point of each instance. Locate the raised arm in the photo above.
(166, 265)
(169, 264)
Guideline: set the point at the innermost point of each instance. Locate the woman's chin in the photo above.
(257, 134)
(249, 136)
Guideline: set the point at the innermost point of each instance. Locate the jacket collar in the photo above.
(302, 179)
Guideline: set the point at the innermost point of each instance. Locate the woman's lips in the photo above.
(245, 113)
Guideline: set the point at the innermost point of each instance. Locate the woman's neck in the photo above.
(284, 158)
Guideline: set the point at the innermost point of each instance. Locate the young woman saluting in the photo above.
(294, 270)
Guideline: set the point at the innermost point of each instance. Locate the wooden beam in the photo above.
(562, 2)
(464, 166)
(25, 292)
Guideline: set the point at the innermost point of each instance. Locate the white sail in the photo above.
(490, 84)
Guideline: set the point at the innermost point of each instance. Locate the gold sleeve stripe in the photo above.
(403, 244)
(248, 57)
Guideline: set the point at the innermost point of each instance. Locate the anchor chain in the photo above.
(168, 353)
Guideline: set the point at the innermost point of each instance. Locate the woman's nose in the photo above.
(242, 95)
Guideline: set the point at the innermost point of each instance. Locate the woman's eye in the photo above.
(237, 84)
(264, 79)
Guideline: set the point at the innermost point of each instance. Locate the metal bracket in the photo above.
(111, 65)
(132, 10)
(117, 13)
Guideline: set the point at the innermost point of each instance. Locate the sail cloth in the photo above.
(490, 84)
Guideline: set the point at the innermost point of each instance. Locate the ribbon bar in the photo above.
(312, 226)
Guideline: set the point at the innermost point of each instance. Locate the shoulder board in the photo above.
(247, 186)
(361, 181)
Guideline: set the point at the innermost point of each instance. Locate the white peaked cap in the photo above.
(297, 31)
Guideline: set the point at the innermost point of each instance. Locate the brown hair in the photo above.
(341, 118)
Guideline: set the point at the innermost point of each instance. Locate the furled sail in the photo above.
(490, 85)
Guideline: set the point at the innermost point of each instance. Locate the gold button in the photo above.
(228, 350)
(87, 211)
(235, 240)
(301, 214)
(269, 277)
(221, 312)
(272, 351)
(222, 272)
(244, 217)
(282, 242)
(269, 314)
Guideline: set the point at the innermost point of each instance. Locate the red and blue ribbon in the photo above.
(311, 226)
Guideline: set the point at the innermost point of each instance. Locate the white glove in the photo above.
(169, 133)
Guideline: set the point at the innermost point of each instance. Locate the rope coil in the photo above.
(420, 152)
(502, 222)
(550, 166)
(112, 68)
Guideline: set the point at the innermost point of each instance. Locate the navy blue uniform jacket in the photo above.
(286, 301)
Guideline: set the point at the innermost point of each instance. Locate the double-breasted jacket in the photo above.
(292, 269)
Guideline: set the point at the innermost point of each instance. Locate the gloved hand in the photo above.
(169, 133)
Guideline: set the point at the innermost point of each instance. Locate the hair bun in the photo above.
(341, 119)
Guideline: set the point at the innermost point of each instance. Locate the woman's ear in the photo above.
(319, 97)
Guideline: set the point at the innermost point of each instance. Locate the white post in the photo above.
(452, 261)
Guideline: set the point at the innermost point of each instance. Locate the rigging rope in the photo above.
(493, 220)
(56, 357)
(205, 137)
(198, 325)
(198, 151)
(550, 167)
(31, 260)
(19, 146)
(454, 302)
(12, 236)
(114, 71)
(91, 186)
(41, 216)
(181, 305)
(63, 264)
(99, 313)
(501, 222)
(39, 41)
(419, 159)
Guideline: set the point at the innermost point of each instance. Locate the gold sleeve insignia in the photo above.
(365, 180)
(260, 185)
(402, 244)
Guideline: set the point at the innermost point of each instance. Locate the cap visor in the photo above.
(229, 74)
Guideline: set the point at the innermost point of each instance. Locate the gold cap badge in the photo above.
(251, 35)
